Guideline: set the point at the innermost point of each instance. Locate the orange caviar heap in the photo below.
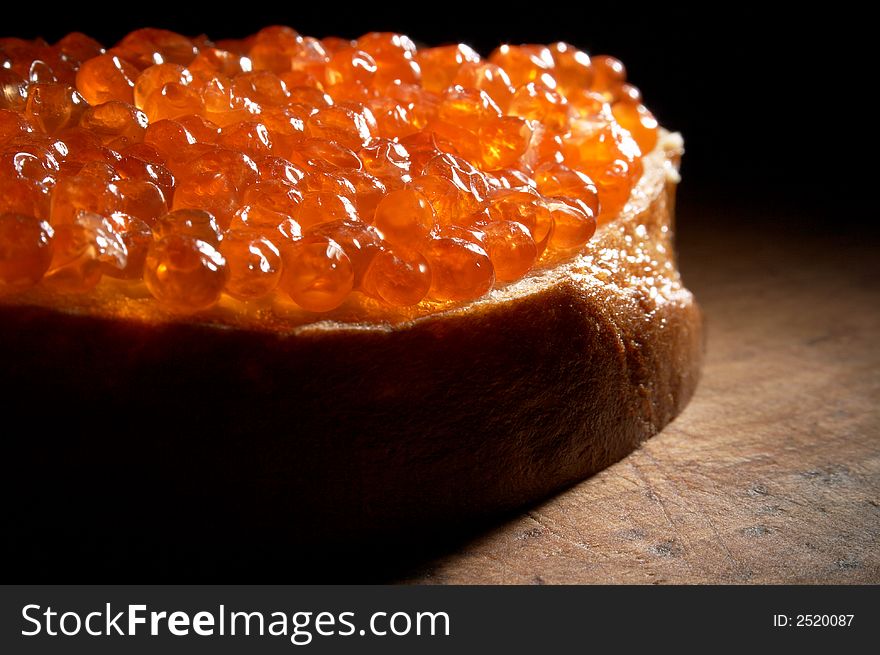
(287, 167)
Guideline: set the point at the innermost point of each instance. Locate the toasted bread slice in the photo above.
(334, 429)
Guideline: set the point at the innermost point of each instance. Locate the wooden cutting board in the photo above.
(772, 473)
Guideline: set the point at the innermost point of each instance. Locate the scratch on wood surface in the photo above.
(656, 497)
(741, 570)
(651, 493)
(534, 516)
(739, 567)
(633, 483)
(504, 563)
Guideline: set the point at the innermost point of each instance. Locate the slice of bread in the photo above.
(332, 429)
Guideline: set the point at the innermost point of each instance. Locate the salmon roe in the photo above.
(283, 169)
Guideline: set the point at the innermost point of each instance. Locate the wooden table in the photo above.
(772, 473)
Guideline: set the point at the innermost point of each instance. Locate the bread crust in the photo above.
(335, 430)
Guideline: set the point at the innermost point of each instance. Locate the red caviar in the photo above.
(282, 168)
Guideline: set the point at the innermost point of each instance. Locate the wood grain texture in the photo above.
(772, 473)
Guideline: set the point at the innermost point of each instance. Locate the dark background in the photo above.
(771, 102)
